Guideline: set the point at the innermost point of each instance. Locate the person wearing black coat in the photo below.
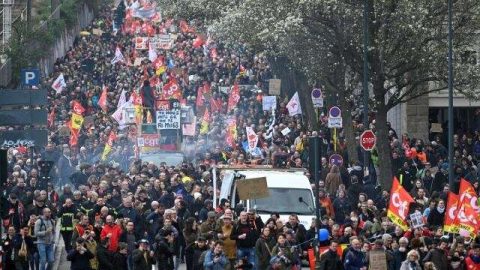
(80, 256)
(198, 249)
(104, 256)
(164, 250)
(354, 191)
(143, 259)
(330, 259)
(22, 262)
(437, 215)
(119, 258)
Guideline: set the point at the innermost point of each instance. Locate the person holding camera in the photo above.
(23, 247)
(215, 259)
(143, 257)
(285, 252)
(80, 256)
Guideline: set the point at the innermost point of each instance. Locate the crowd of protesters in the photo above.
(120, 213)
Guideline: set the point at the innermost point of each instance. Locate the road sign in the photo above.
(317, 98)
(335, 122)
(336, 159)
(335, 112)
(367, 140)
(30, 77)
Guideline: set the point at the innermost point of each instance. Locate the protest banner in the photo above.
(253, 188)
(168, 119)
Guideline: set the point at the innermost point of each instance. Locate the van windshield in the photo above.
(285, 201)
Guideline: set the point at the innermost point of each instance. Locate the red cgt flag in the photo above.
(233, 98)
(77, 107)
(400, 200)
(172, 90)
(451, 213)
(198, 42)
(102, 101)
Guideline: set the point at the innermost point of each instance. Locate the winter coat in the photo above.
(264, 251)
(80, 261)
(210, 264)
(332, 182)
(330, 261)
(354, 260)
(139, 262)
(164, 253)
(104, 257)
(406, 265)
(119, 261)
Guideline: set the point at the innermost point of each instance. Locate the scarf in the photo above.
(440, 210)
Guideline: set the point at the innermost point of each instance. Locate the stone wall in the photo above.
(416, 118)
(65, 41)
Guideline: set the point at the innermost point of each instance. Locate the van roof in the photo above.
(280, 179)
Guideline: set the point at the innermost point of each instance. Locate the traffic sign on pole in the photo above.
(317, 98)
(30, 77)
(336, 159)
(367, 140)
(335, 112)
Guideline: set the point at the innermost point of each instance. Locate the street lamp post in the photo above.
(365, 75)
(450, 98)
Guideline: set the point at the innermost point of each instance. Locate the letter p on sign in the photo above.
(30, 77)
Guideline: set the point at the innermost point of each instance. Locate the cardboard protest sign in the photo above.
(163, 42)
(138, 61)
(378, 260)
(253, 188)
(141, 43)
(274, 86)
(97, 32)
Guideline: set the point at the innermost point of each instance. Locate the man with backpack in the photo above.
(45, 233)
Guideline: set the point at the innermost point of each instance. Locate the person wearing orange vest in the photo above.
(80, 229)
(472, 262)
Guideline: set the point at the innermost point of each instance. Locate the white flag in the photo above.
(152, 52)
(118, 114)
(59, 84)
(294, 106)
(123, 99)
(118, 57)
(252, 138)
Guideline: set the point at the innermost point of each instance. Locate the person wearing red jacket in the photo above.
(111, 231)
(473, 260)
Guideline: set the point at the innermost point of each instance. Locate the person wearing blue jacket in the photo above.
(355, 259)
(215, 259)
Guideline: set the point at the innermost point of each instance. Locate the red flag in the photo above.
(198, 42)
(467, 219)
(184, 27)
(51, 118)
(172, 90)
(466, 190)
(215, 104)
(451, 213)
(73, 137)
(150, 30)
(160, 61)
(400, 200)
(102, 101)
(233, 98)
(77, 107)
(206, 87)
(200, 101)
(213, 53)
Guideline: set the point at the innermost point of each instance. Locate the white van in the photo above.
(289, 189)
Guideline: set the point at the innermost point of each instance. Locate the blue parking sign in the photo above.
(30, 77)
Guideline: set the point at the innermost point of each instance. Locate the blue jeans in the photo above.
(249, 253)
(34, 263)
(46, 253)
